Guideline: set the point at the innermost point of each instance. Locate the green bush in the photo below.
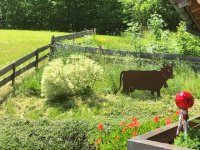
(155, 24)
(42, 134)
(188, 43)
(74, 77)
(192, 140)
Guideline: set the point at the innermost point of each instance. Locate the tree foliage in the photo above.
(141, 10)
(108, 16)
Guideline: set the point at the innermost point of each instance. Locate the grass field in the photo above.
(17, 43)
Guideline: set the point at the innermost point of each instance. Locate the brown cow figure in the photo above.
(145, 80)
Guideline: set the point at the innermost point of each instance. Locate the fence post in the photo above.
(14, 74)
(74, 37)
(52, 45)
(94, 32)
(37, 59)
(100, 49)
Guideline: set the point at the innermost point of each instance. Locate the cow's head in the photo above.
(167, 71)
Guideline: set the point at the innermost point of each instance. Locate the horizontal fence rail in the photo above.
(193, 59)
(13, 67)
(35, 54)
(75, 35)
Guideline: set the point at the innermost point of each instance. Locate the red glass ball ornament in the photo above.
(184, 100)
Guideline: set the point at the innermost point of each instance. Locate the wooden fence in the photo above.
(13, 67)
(195, 60)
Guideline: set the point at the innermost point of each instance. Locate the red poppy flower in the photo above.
(168, 121)
(98, 141)
(177, 112)
(134, 134)
(131, 125)
(100, 126)
(124, 130)
(134, 123)
(156, 119)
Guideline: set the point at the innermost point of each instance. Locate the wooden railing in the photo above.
(195, 60)
(13, 67)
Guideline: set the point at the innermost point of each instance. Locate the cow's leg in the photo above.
(158, 93)
(126, 88)
(131, 89)
(165, 85)
(152, 92)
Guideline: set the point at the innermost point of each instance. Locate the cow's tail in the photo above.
(122, 73)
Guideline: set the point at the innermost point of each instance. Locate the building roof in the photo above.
(189, 10)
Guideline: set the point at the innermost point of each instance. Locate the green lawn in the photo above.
(17, 43)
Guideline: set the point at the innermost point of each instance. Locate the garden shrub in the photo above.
(155, 24)
(43, 134)
(74, 77)
(188, 43)
(192, 140)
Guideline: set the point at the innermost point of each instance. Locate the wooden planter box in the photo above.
(160, 139)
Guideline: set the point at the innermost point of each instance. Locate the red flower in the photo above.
(177, 112)
(134, 134)
(98, 141)
(168, 121)
(134, 123)
(131, 125)
(124, 130)
(100, 126)
(134, 119)
(156, 119)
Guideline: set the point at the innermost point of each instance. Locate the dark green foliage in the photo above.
(192, 140)
(43, 134)
(188, 43)
(108, 16)
(62, 15)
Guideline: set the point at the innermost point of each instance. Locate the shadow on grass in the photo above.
(73, 102)
(144, 95)
(6, 92)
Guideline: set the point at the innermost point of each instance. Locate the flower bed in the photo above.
(161, 138)
(115, 136)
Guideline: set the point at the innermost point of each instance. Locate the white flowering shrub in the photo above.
(75, 76)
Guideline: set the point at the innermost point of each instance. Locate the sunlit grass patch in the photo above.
(15, 44)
